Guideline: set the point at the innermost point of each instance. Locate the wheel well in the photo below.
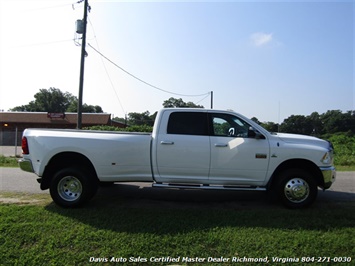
(299, 164)
(64, 160)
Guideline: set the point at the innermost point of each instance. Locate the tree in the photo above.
(256, 120)
(298, 124)
(53, 100)
(316, 123)
(175, 103)
(270, 126)
(85, 108)
(334, 121)
(140, 119)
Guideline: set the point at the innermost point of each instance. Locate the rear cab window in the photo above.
(188, 123)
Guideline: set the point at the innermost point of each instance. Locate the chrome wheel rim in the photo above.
(70, 188)
(296, 190)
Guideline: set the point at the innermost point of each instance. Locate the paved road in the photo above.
(15, 180)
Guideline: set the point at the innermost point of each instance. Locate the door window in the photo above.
(229, 126)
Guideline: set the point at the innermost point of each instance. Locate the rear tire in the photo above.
(297, 188)
(72, 187)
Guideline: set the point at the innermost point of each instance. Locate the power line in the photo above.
(139, 79)
(203, 98)
(103, 63)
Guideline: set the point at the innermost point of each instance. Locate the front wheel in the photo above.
(72, 187)
(297, 188)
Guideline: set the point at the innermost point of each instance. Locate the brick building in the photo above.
(12, 124)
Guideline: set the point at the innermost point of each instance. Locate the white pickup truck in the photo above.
(189, 149)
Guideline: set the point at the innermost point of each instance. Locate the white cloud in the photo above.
(260, 38)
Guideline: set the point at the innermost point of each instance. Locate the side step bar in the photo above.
(202, 186)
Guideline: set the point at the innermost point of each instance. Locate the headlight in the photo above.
(327, 158)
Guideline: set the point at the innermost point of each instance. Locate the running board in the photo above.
(202, 186)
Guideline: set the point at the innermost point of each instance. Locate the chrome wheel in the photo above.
(69, 188)
(296, 190)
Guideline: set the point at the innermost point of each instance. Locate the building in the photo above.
(12, 124)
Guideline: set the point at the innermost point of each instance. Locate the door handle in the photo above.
(166, 142)
(221, 145)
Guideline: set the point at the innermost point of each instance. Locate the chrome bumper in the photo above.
(26, 165)
(329, 176)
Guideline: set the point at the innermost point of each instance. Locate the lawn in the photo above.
(8, 161)
(38, 232)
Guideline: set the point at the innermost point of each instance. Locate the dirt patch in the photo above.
(23, 198)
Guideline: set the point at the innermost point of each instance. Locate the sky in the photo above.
(264, 59)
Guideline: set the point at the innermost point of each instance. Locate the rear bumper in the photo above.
(26, 165)
(329, 176)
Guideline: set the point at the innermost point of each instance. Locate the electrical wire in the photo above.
(146, 83)
(203, 98)
(108, 76)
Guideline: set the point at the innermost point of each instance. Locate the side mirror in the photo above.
(253, 133)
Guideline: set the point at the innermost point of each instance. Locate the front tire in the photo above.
(72, 187)
(297, 188)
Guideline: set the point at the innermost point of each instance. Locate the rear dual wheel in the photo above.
(72, 187)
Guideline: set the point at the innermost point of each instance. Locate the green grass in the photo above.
(44, 234)
(8, 161)
(341, 168)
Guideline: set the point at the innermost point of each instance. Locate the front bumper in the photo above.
(329, 176)
(26, 165)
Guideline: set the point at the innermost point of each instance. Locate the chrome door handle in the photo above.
(165, 142)
(221, 145)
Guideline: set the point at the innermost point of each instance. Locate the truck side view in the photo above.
(188, 148)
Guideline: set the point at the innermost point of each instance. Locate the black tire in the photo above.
(296, 188)
(72, 187)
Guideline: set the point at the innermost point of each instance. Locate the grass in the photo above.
(343, 168)
(43, 234)
(8, 161)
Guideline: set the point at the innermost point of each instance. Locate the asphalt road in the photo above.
(342, 191)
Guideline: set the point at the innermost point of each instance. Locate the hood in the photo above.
(303, 139)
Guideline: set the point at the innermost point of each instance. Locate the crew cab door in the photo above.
(239, 155)
(183, 149)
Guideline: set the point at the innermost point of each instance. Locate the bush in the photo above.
(135, 128)
(344, 147)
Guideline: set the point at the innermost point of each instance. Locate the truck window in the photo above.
(188, 123)
(229, 126)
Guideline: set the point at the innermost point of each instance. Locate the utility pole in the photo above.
(83, 54)
(211, 99)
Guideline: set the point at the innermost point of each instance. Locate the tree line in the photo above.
(53, 100)
(330, 122)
